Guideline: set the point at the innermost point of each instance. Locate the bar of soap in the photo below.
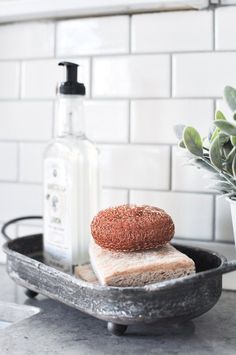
(139, 268)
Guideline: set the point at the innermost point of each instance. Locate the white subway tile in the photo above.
(228, 2)
(97, 35)
(132, 76)
(107, 121)
(41, 77)
(19, 200)
(152, 121)
(223, 221)
(27, 40)
(11, 231)
(112, 198)
(8, 161)
(26, 120)
(186, 177)
(135, 166)
(10, 77)
(191, 213)
(225, 28)
(31, 162)
(172, 31)
(203, 74)
(228, 250)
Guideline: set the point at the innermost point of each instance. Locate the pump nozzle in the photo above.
(71, 86)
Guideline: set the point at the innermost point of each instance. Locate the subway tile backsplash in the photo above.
(131, 76)
(40, 77)
(26, 120)
(203, 74)
(10, 80)
(8, 161)
(225, 25)
(18, 199)
(135, 166)
(144, 73)
(152, 121)
(166, 32)
(192, 213)
(107, 120)
(97, 35)
(27, 40)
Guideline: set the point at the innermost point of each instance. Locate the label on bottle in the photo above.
(57, 246)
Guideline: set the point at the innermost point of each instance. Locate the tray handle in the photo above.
(13, 221)
(228, 266)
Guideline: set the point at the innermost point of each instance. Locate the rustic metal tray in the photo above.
(176, 300)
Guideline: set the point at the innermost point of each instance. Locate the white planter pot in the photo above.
(233, 215)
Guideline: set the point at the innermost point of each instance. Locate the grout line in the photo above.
(20, 81)
(130, 33)
(171, 76)
(91, 77)
(22, 141)
(20, 182)
(53, 119)
(214, 30)
(27, 99)
(214, 108)
(146, 189)
(18, 162)
(128, 196)
(55, 38)
(118, 54)
(148, 144)
(122, 98)
(189, 240)
(129, 122)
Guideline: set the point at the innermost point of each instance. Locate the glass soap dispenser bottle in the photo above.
(71, 180)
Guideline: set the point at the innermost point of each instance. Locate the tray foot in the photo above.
(116, 329)
(30, 293)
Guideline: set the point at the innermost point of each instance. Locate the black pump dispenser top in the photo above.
(71, 85)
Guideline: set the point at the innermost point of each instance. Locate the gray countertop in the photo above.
(59, 329)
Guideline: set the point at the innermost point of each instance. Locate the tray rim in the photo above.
(155, 287)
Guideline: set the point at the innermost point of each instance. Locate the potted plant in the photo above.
(217, 152)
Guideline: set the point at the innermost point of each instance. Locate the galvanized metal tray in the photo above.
(176, 300)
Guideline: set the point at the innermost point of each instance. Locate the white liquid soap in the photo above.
(71, 180)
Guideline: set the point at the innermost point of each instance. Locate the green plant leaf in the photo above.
(205, 143)
(216, 150)
(233, 140)
(226, 127)
(214, 134)
(220, 116)
(179, 129)
(227, 165)
(220, 186)
(201, 164)
(234, 166)
(192, 141)
(230, 97)
(227, 146)
(181, 144)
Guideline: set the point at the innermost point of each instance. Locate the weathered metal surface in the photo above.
(176, 300)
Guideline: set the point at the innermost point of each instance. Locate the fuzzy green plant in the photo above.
(217, 152)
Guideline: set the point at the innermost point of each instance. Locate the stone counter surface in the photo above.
(59, 329)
